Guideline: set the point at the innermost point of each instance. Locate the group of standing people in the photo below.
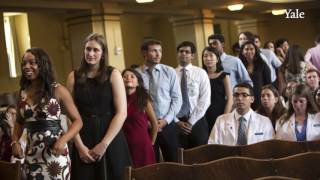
(122, 119)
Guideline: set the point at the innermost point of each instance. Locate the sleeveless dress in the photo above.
(136, 131)
(43, 130)
(218, 100)
(95, 104)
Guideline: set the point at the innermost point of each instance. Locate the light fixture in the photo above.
(277, 12)
(235, 7)
(144, 1)
(284, 1)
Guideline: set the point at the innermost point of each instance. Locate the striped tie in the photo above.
(242, 137)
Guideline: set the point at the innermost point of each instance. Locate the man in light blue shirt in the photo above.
(269, 57)
(163, 85)
(232, 65)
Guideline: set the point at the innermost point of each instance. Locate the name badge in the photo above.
(258, 133)
(316, 125)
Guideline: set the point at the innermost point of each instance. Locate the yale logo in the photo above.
(294, 14)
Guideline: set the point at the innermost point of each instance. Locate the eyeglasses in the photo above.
(318, 94)
(32, 63)
(241, 94)
(184, 51)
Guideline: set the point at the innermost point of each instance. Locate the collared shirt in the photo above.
(167, 100)
(199, 91)
(236, 69)
(313, 56)
(247, 116)
(272, 61)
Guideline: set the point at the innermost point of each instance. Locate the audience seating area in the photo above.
(271, 149)
(299, 166)
(273, 159)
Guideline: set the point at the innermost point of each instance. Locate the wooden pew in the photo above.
(299, 166)
(271, 149)
(160, 171)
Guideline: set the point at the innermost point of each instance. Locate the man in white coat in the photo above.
(242, 126)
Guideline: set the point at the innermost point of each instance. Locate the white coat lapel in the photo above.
(230, 128)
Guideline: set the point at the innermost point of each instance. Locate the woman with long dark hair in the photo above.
(46, 155)
(301, 122)
(140, 113)
(293, 68)
(101, 151)
(220, 83)
(258, 70)
(271, 105)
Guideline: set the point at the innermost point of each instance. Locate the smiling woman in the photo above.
(39, 105)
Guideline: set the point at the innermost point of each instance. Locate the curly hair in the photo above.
(46, 73)
(258, 61)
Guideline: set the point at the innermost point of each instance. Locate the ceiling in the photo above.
(252, 7)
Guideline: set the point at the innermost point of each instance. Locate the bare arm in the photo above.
(82, 149)
(64, 96)
(153, 121)
(16, 147)
(120, 104)
(228, 92)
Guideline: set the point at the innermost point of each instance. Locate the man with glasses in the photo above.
(232, 65)
(196, 93)
(242, 126)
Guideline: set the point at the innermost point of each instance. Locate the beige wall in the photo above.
(137, 27)
(46, 31)
(78, 29)
(301, 32)
(63, 38)
(7, 84)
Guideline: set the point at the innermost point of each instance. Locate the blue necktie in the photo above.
(242, 137)
(185, 109)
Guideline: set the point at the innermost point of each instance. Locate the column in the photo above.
(194, 28)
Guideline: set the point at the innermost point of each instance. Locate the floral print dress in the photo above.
(43, 130)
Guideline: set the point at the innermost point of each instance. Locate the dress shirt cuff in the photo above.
(176, 120)
(168, 119)
(192, 121)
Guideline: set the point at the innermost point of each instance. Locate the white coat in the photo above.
(287, 131)
(225, 130)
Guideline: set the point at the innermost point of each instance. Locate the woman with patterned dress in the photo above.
(140, 113)
(101, 151)
(46, 155)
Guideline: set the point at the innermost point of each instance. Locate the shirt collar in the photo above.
(188, 67)
(145, 68)
(247, 115)
(223, 55)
